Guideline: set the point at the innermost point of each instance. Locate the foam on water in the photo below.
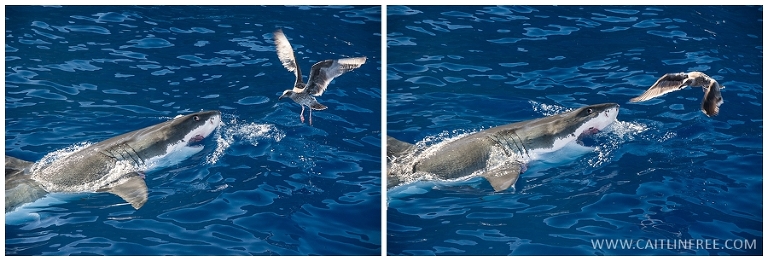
(56, 155)
(237, 130)
(548, 109)
(612, 138)
(402, 166)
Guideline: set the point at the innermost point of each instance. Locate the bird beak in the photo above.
(286, 93)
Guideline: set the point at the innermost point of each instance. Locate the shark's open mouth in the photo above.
(587, 135)
(592, 130)
(196, 140)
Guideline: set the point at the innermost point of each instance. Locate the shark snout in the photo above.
(215, 121)
(601, 120)
(203, 130)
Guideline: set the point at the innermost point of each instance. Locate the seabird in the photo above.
(320, 75)
(677, 81)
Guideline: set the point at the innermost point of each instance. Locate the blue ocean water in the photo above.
(266, 184)
(663, 175)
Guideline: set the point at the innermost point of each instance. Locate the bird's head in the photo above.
(286, 93)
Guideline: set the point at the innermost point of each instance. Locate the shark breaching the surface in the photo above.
(516, 143)
(116, 165)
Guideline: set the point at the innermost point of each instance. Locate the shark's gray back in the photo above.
(512, 144)
(87, 169)
(116, 165)
(83, 170)
(458, 158)
(468, 154)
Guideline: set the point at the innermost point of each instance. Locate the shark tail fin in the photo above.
(505, 176)
(19, 187)
(396, 147)
(15, 166)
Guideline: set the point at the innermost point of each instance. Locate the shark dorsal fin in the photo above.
(503, 177)
(396, 148)
(132, 189)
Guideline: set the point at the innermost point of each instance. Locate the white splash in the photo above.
(627, 130)
(548, 110)
(58, 154)
(613, 137)
(242, 131)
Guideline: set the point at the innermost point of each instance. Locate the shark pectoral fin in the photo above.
(503, 177)
(132, 189)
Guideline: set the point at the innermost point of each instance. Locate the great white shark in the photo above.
(116, 165)
(514, 144)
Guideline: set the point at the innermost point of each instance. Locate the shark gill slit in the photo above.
(521, 146)
(498, 140)
(137, 159)
(117, 155)
(122, 152)
(508, 143)
(108, 154)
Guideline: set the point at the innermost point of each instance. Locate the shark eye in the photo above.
(589, 111)
(197, 118)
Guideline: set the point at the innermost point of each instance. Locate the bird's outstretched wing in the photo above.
(668, 83)
(323, 72)
(285, 54)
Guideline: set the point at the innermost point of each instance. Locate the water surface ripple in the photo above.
(665, 171)
(266, 184)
